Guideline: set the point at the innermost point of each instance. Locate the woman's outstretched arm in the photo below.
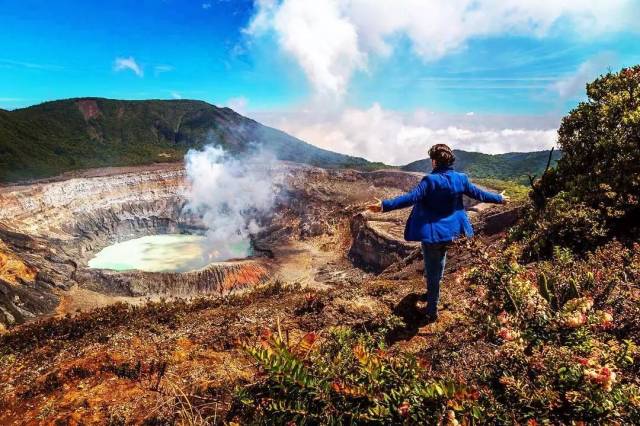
(485, 196)
(406, 200)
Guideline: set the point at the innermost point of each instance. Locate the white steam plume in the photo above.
(230, 194)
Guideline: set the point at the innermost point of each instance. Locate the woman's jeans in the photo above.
(435, 259)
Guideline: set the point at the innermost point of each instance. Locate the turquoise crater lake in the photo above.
(154, 253)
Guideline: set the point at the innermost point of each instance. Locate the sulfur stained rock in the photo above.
(14, 270)
(217, 278)
(313, 226)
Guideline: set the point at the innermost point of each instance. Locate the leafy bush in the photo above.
(566, 341)
(563, 221)
(601, 140)
(594, 192)
(348, 377)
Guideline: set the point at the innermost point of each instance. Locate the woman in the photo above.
(438, 216)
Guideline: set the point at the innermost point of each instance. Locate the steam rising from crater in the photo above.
(230, 194)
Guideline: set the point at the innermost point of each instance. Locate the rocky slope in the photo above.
(378, 239)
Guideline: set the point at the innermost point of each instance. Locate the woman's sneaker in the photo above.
(428, 319)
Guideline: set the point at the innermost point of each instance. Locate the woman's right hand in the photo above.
(505, 198)
(375, 207)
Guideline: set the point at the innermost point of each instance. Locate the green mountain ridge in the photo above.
(72, 134)
(59, 136)
(513, 166)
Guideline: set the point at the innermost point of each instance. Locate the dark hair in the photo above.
(442, 155)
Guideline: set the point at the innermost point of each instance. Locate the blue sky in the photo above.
(316, 68)
(61, 49)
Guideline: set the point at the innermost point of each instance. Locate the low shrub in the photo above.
(593, 194)
(566, 331)
(348, 377)
(565, 222)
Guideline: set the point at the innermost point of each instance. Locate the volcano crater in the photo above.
(54, 228)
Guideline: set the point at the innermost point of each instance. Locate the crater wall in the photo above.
(50, 229)
(377, 240)
(86, 213)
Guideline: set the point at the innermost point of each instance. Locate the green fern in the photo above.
(347, 379)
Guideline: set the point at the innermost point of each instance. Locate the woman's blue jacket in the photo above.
(438, 213)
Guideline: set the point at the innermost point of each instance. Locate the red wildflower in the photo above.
(583, 361)
(603, 376)
(404, 408)
(507, 334)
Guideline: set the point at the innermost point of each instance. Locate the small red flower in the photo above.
(265, 334)
(603, 376)
(507, 334)
(404, 408)
(583, 361)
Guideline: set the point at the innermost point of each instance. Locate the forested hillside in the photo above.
(514, 166)
(59, 136)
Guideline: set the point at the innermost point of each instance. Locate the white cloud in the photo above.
(262, 21)
(238, 104)
(573, 85)
(8, 63)
(129, 63)
(332, 39)
(319, 36)
(159, 69)
(176, 95)
(398, 138)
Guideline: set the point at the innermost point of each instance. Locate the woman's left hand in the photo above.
(375, 207)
